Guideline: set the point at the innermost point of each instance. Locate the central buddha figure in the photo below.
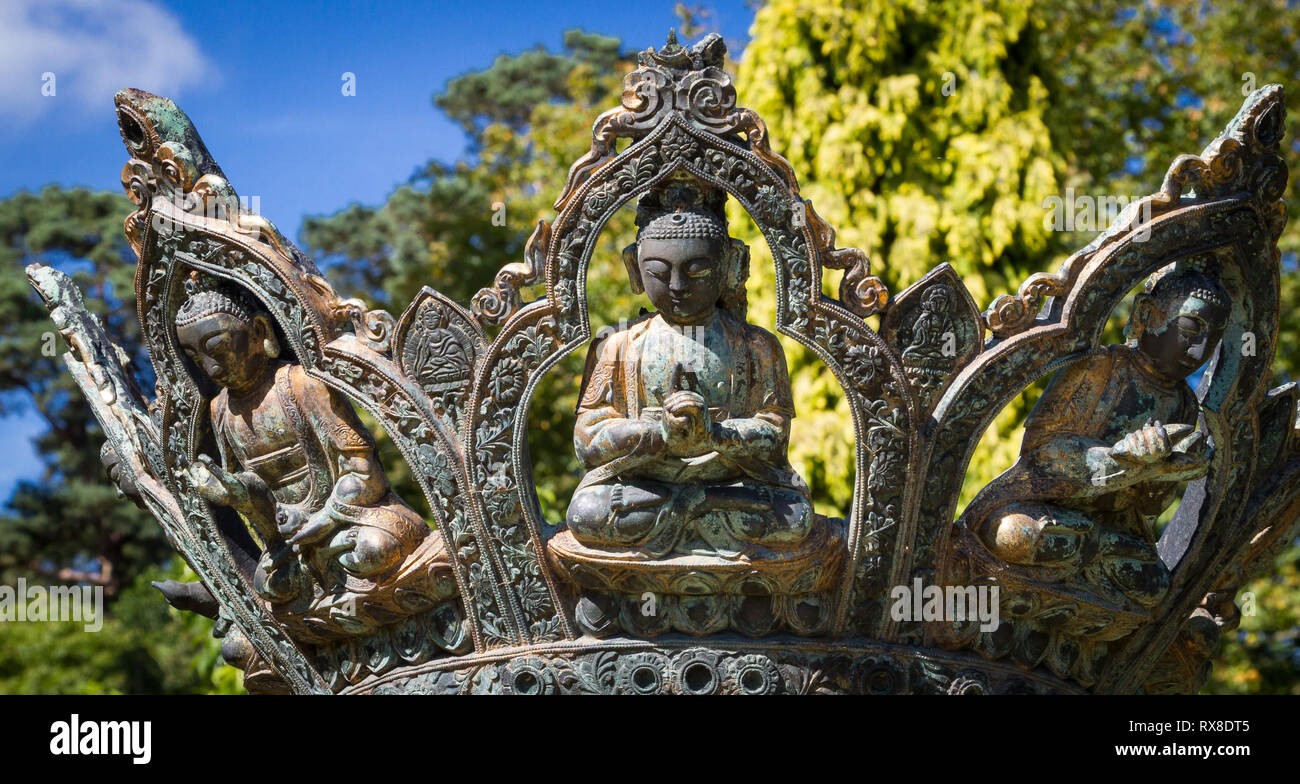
(682, 426)
(684, 416)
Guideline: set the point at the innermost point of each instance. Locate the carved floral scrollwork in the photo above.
(920, 394)
(375, 327)
(862, 292)
(495, 305)
(690, 82)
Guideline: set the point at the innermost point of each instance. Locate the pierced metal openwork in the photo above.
(253, 460)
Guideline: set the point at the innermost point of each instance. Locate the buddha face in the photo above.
(682, 277)
(227, 349)
(1182, 341)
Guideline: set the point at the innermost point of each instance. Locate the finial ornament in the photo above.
(692, 558)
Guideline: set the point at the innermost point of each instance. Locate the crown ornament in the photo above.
(691, 558)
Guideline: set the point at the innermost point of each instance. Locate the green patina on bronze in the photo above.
(690, 560)
(683, 425)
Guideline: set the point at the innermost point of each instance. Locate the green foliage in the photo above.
(144, 647)
(1264, 653)
(925, 131)
(70, 525)
(510, 90)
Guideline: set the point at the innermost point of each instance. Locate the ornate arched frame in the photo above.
(182, 411)
(1227, 201)
(474, 465)
(544, 331)
(345, 362)
(169, 174)
(1238, 233)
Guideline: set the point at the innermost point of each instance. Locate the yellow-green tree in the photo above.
(930, 131)
(918, 130)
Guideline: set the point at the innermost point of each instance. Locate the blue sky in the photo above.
(261, 81)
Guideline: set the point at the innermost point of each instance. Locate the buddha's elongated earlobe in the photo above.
(733, 297)
(633, 268)
(270, 345)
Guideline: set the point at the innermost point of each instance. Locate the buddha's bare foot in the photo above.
(619, 514)
(763, 515)
(792, 518)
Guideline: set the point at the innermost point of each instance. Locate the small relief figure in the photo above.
(931, 353)
(439, 351)
(684, 417)
(439, 358)
(1109, 446)
(341, 550)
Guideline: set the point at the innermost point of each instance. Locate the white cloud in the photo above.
(93, 48)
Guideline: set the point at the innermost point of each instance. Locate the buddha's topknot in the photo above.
(684, 225)
(207, 297)
(1192, 278)
(682, 209)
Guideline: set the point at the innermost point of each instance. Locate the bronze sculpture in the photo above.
(691, 559)
(692, 381)
(1110, 442)
(683, 425)
(311, 483)
(1106, 450)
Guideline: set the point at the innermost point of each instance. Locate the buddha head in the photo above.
(936, 301)
(1179, 320)
(228, 339)
(683, 259)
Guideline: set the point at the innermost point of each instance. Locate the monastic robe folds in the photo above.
(740, 371)
(298, 440)
(1094, 402)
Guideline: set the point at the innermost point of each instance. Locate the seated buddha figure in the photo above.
(295, 459)
(684, 415)
(1107, 448)
(930, 355)
(931, 329)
